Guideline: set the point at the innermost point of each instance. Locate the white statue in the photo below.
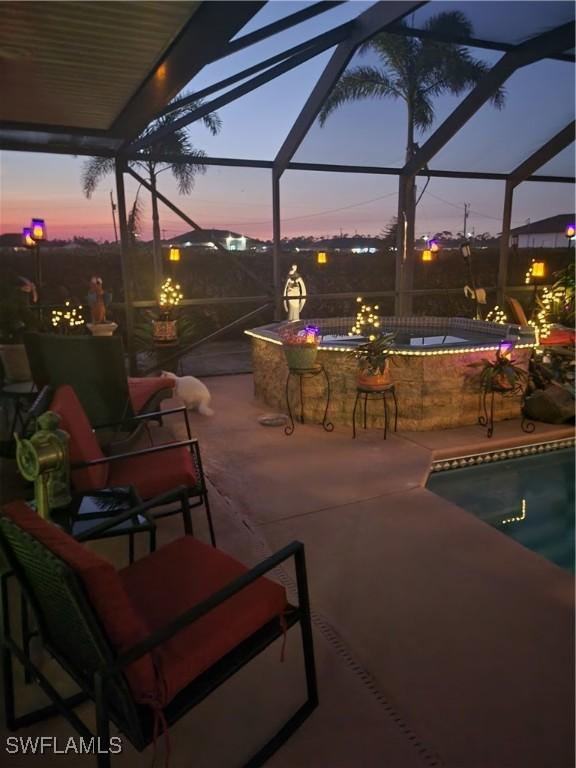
(294, 294)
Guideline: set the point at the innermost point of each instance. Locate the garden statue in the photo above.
(98, 300)
(294, 294)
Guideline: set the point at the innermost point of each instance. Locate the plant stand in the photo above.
(486, 418)
(302, 374)
(371, 393)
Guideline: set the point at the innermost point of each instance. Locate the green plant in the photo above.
(188, 330)
(501, 374)
(373, 354)
(16, 314)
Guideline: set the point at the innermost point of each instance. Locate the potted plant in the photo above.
(372, 358)
(501, 374)
(16, 317)
(300, 346)
(165, 326)
(372, 355)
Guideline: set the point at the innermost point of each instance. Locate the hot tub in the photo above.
(430, 367)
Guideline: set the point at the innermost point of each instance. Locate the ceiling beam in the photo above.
(318, 43)
(547, 151)
(325, 41)
(532, 50)
(202, 40)
(366, 25)
(472, 42)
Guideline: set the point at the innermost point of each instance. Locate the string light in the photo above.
(518, 518)
(170, 294)
(497, 315)
(67, 318)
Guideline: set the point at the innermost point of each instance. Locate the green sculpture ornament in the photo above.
(43, 460)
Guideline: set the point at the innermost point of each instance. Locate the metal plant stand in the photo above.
(307, 373)
(486, 418)
(377, 394)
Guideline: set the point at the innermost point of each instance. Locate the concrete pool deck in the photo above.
(439, 641)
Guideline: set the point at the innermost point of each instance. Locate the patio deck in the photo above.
(439, 641)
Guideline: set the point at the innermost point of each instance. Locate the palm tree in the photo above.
(184, 171)
(414, 70)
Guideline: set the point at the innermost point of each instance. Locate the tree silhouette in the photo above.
(184, 171)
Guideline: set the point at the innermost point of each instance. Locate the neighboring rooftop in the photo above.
(552, 224)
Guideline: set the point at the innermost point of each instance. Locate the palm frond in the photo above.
(359, 83)
(135, 217)
(93, 171)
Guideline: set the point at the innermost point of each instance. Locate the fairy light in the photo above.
(170, 294)
(518, 518)
(366, 322)
(67, 318)
(497, 315)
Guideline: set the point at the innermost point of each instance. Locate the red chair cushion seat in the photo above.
(121, 622)
(83, 443)
(143, 389)
(177, 577)
(154, 473)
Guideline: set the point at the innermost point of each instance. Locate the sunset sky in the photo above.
(539, 103)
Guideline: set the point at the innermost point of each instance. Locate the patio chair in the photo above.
(149, 642)
(148, 472)
(95, 367)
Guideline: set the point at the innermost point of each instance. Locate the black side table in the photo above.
(15, 398)
(375, 394)
(486, 418)
(307, 373)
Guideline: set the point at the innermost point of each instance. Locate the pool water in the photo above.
(530, 499)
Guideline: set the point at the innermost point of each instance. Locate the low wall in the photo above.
(436, 391)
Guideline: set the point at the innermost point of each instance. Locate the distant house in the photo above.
(207, 238)
(546, 233)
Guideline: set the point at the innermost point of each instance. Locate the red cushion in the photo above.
(83, 443)
(143, 389)
(559, 337)
(122, 624)
(179, 576)
(154, 473)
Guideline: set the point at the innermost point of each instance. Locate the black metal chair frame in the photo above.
(105, 683)
(199, 491)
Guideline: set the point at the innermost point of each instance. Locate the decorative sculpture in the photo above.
(43, 460)
(294, 294)
(98, 300)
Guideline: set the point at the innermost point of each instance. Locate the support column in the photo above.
(504, 244)
(276, 245)
(126, 263)
(405, 246)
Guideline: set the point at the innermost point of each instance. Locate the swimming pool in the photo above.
(530, 499)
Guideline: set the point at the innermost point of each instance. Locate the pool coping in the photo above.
(499, 454)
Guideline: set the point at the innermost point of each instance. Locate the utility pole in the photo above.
(466, 212)
(113, 204)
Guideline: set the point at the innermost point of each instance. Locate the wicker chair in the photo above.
(148, 472)
(151, 641)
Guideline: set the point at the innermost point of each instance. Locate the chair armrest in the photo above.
(141, 416)
(294, 549)
(139, 509)
(153, 449)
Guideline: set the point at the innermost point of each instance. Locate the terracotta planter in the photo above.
(15, 362)
(165, 332)
(374, 381)
(300, 357)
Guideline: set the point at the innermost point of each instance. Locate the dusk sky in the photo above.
(539, 103)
